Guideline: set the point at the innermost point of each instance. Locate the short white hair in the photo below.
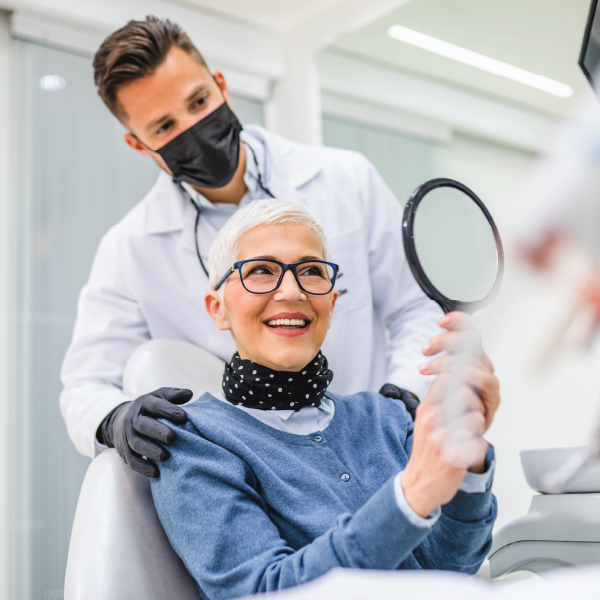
(223, 252)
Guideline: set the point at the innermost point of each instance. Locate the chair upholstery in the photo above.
(118, 548)
(172, 363)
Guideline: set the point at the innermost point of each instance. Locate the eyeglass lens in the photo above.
(262, 276)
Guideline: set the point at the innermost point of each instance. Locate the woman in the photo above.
(276, 481)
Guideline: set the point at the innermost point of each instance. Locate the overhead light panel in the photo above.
(479, 61)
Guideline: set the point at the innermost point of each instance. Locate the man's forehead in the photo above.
(170, 88)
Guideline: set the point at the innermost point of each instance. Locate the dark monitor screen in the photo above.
(589, 60)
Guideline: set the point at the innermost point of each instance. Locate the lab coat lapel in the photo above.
(170, 211)
(165, 204)
(282, 190)
(289, 165)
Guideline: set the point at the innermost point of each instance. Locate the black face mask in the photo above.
(207, 154)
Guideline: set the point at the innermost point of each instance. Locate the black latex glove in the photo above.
(389, 390)
(131, 427)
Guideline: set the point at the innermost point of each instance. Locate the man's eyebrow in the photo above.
(157, 122)
(195, 92)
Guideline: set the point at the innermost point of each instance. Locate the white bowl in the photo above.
(537, 464)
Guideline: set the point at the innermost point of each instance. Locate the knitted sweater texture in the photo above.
(252, 509)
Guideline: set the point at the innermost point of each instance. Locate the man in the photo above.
(149, 276)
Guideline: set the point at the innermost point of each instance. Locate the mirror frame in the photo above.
(410, 212)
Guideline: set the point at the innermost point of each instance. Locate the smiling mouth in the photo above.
(287, 323)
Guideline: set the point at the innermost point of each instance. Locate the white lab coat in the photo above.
(146, 282)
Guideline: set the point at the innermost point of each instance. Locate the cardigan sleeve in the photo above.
(462, 536)
(209, 503)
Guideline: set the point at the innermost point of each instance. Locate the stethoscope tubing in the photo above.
(199, 210)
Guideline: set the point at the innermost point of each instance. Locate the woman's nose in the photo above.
(289, 290)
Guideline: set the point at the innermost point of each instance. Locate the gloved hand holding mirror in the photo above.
(455, 253)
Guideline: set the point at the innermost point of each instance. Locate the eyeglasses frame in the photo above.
(284, 268)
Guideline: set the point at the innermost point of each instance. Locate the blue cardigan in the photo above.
(252, 509)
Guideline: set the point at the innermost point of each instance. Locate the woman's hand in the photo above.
(467, 374)
(428, 480)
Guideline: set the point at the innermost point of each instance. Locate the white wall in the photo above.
(493, 171)
(548, 399)
(5, 290)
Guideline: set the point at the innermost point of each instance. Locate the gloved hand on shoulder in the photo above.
(131, 427)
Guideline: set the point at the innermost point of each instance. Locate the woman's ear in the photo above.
(215, 308)
(334, 297)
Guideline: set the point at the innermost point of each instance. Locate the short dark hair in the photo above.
(136, 51)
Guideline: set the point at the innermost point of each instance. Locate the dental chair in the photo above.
(560, 530)
(118, 548)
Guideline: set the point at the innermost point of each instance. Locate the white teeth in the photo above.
(288, 322)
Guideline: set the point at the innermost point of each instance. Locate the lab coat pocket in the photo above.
(350, 252)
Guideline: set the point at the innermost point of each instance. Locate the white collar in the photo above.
(284, 415)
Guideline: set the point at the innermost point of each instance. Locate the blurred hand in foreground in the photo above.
(448, 442)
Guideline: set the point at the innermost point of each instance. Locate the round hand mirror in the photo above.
(452, 246)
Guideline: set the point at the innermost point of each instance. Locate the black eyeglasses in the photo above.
(263, 276)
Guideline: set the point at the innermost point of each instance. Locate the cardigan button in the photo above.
(345, 477)
(318, 438)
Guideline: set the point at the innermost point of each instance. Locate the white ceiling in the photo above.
(277, 15)
(542, 36)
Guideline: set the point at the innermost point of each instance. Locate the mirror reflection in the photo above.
(455, 245)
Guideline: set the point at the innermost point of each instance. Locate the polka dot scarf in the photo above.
(249, 384)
